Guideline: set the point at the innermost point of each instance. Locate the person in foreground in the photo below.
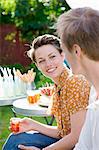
(79, 35)
(69, 102)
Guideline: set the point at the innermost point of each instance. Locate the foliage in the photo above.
(17, 66)
(32, 17)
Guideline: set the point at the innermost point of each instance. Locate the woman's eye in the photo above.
(52, 56)
(41, 61)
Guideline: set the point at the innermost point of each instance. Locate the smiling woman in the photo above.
(69, 101)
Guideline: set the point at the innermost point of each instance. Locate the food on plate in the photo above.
(44, 101)
(47, 91)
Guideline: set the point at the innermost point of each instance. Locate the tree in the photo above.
(32, 17)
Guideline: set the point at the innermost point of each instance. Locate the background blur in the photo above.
(23, 20)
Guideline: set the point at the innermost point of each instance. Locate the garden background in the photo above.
(20, 22)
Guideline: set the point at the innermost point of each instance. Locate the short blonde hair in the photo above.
(80, 26)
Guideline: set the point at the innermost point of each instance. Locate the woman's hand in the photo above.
(28, 147)
(25, 124)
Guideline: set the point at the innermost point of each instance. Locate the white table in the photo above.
(23, 107)
(9, 101)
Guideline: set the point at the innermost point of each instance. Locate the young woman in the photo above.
(79, 35)
(70, 99)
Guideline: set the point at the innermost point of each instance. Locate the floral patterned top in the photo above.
(69, 97)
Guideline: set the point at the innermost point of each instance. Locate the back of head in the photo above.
(80, 26)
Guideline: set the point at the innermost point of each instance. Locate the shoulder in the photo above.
(76, 78)
(78, 81)
(94, 105)
(77, 92)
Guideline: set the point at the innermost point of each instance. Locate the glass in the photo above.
(15, 124)
(33, 96)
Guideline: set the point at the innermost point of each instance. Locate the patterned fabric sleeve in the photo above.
(77, 94)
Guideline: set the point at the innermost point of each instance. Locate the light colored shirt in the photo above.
(93, 95)
(89, 137)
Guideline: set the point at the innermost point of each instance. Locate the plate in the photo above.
(10, 100)
(44, 101)
(23, 107)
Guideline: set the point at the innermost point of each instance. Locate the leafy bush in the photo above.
(32, 17)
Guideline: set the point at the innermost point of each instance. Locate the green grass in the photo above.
(5, 115)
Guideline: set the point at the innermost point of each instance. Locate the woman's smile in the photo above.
(51, 70)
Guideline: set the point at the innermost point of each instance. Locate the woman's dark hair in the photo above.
(44, 40)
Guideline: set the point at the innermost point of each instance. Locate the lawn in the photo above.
(5, 115)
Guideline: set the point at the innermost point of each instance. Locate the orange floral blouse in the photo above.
(69, 97)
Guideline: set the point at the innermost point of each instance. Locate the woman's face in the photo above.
(49, 61)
